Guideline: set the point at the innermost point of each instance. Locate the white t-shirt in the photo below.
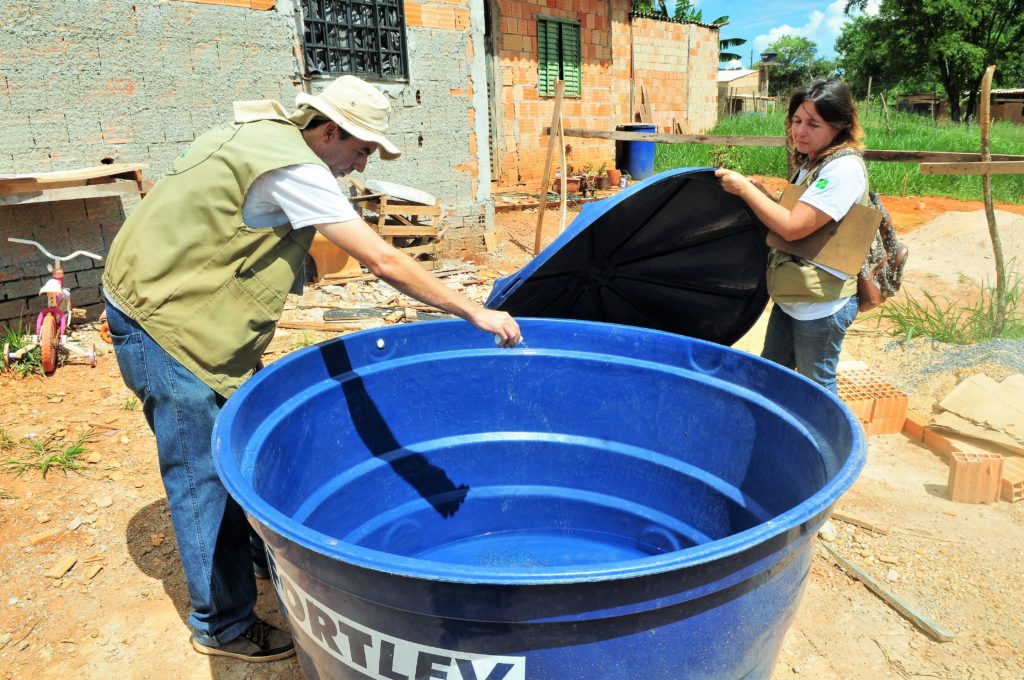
(839, 186)
(303, 195)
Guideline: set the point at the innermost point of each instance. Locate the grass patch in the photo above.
(130, 404)
(16, 338)
(904, 131)
(47, 453)
(6, 440)
(947, 321)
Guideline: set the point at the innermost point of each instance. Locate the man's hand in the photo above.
(362, 242)
(504, 327)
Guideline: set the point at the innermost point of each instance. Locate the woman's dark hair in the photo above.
(834, 103)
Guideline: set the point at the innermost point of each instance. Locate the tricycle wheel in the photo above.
(48, 343)
(7, 355)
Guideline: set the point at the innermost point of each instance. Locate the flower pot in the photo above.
(601, 183)
(613, 176)
(572, 186)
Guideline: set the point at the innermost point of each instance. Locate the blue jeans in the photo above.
(810, 347)
(211, 529)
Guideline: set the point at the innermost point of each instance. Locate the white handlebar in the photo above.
(51, 255)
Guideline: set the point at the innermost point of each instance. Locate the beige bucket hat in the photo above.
(356, 106)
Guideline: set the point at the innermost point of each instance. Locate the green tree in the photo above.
(796, 62)
(946, 41)
(863, 54)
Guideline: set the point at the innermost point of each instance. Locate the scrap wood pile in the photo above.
(363, 301)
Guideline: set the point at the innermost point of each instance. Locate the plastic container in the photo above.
(636, 158)
(675, 253)
(607, 502)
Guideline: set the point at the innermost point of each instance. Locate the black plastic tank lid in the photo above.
(675, 252)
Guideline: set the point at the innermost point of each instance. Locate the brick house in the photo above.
(619, 56)
(135, 81)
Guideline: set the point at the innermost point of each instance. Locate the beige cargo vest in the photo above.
(207, 287)
(793, 279)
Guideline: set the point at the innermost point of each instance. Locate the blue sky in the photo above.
(761, 23)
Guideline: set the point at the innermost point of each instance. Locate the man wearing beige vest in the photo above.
(196, 282)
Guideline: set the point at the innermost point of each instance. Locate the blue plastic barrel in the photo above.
(636, 158)
(605, 502)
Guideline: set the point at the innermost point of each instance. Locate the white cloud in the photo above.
(822, 27)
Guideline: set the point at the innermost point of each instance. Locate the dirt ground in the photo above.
(119, 612)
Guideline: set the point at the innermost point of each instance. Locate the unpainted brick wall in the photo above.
(89, 81)
(525, 113)
(678, 63)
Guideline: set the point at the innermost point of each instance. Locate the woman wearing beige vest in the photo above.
(814, 304)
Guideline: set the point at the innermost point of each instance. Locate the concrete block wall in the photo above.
(89, 224)
(136, 81)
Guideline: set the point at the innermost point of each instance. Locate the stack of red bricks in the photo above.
(880, 407)
(975, 476)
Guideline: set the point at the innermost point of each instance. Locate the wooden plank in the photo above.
(117, 188)
(673, 139)
(979, 168)
(925, 624)
(429, 249)
(556, 116)
(414, 230)
(333, 327)
(862, 523)
(61, 567)
(67, 178)
(903, 156)
(382, 203)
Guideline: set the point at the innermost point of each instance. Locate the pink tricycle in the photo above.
(54, 321)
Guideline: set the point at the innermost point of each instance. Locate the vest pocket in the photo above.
(226, 335)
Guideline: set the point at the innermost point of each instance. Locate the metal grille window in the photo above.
(359, 37)
(558, 56)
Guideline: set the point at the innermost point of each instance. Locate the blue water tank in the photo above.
(602, 502)
(636, 158)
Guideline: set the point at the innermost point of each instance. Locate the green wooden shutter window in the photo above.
(558, 56)
(572, 71)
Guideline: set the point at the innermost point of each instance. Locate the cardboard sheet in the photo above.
(951, 422)
(839, 248)
(996, 405)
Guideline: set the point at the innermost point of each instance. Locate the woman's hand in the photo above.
(738, 184)
(733, 182)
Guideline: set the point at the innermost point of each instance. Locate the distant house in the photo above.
(925, 104)
(739, 90)
(1008, 105)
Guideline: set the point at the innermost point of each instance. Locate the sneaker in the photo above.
(260, 642)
